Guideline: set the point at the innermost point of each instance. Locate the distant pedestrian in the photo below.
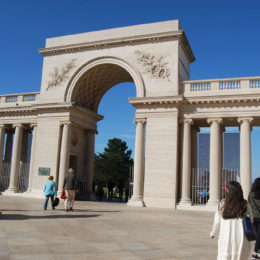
(254, 200)
(232, 244)
(70, 189)
(49, 192)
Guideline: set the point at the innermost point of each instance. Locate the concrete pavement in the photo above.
(99, 230)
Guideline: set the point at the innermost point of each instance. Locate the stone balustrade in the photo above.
(18, 98)
(220, 86)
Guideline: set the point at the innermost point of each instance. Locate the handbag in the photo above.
(63, 194)
(56, 202)
(249, 230)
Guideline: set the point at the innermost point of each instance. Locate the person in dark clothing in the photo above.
(70, 189)
(254, 200)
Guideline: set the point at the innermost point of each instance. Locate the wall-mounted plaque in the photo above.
(44, 171)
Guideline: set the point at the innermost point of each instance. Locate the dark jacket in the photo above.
(255, 205)
(70, 182)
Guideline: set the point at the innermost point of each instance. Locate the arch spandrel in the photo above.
(92, 80)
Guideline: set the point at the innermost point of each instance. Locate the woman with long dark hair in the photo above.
(232, 244)
(254, 200)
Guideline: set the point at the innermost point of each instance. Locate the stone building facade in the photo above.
(77, 72)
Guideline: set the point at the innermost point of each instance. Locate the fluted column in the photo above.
(245, 154)
(186, 162)
(34, 137)
(2, 142)
(215, 161)
(64, 153)
(90, 165)
(137, 198)
(16, 156)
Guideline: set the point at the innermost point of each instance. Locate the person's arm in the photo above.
(249, 212)
(217, 219)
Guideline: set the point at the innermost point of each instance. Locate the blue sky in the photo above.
(224, 36)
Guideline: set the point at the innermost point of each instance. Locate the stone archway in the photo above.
(92, 80)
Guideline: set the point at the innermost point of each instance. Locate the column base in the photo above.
(135, 203)
(184, 204)
(11, 190)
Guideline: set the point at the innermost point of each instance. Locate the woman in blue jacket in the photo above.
(49, 192)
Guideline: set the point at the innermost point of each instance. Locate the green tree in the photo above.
(111, 168)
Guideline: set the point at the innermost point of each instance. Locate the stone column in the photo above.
(245, 154)
(34, 137)
(8, 146)
(64, 153)
(215, 161)
(186, 162)
(90, 165)
(194, 147)
(16, 156)
(137, 198)
(2, 142)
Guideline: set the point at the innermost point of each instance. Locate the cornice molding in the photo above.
(129, 40)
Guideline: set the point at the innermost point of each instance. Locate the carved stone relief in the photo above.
(59, 75)
(157, 67)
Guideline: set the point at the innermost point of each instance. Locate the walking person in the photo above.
(49, 192)
(254, 200)
(70, 189)
(232, 244)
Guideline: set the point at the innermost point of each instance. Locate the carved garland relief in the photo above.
(60, 75)
(157, 67)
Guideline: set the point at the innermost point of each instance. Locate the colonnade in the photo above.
(13, 151)
(216, 158)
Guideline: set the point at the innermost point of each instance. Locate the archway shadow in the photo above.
(24, 217)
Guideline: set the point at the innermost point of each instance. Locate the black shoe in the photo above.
(53, 208)
(255, 257)
(66, 210)
(71, 209)
(44, 209)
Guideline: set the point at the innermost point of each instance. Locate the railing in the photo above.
(17, 98)
(221, 86)
(200, 189)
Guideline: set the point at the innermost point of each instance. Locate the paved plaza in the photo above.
(99, 230)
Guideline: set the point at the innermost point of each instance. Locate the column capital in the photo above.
(92, 131)
(18, 125)
(140, 120)
(2, 126)
(216, 120)
(68, 123)
(188, 120)
(32, 125)
(240, 120)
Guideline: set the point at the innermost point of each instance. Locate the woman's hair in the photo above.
(234, 205)
(256, 188)
(50, 178)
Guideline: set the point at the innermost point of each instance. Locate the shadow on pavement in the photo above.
(23, 217)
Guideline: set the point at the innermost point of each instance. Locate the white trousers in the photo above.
(68, 203)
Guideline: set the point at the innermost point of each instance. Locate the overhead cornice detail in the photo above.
(122, 41)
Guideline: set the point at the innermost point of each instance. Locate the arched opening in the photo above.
(86, 91)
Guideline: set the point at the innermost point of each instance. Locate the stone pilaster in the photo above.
(186, 162)
(34, 138)
(16, 156)
(215, 161)
(245, 154)
(90, 165)
(64, 153)
(137, 198)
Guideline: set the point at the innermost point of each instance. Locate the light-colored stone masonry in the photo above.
(77, 72)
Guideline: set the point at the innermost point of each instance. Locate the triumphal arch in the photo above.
(62, 118)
